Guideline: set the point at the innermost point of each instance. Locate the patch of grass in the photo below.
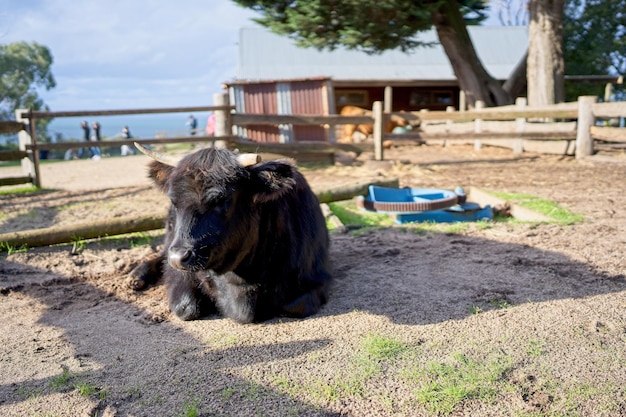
(349, 214)
(61, 382)
(536, 348)
(543, 206)
(500, 303)
(21, 190)
(475, 310)
(85, 389)
(134, 240)
(191, 409)
(441, 387)
(381, 348)
(10, 249)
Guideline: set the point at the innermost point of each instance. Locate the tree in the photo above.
(594, 33)
(546, 67)
(374, 26)
(24, 67)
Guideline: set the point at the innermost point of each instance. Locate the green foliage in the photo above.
(368, 25)
(23, 68)
(594, 33)
(547, 207)
(442, 386)
(349, 214)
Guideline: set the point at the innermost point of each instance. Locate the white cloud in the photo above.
(127, 54)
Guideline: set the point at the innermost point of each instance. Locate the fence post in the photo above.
(388, 101)
(377, 113)
(478, 124)
(586, 119)
(520, 126)
(462, 101)
(30, 166)
(223, 126)
(449, 125)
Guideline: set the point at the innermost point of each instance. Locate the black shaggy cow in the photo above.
(247, 241)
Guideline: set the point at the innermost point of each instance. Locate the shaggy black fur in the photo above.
(248, 242)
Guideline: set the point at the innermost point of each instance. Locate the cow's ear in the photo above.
(159, 173)
(272, 179)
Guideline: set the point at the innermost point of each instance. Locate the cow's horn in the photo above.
(156, 156)
(247, 159)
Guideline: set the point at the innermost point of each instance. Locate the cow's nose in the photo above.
(179, 257)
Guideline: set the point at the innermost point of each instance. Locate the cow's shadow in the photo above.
(410, 278)
(114, 352)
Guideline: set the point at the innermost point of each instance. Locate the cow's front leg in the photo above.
(188, 297)
(307, 304)
(236, 299)
(147, 272)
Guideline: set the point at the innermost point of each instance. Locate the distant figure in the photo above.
(85, 127)
(193, 124)
(95, 150)
(210, 125)
(126, 150)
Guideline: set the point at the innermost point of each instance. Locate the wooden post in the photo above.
(520, 126)
(28, 137)
(586, 119)
(449, 124)
(223, 126)
(377, 113)
(462, 101)
(388, 100)
(478, 124)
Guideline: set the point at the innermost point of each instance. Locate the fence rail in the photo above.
(585, 112)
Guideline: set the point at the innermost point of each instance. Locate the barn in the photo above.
(274, 76)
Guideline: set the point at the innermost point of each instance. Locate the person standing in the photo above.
(193, 124)
(95, 150)
(126, 150)
(210, 125)
(85, 126)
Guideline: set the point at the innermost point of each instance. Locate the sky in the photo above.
(127, 54)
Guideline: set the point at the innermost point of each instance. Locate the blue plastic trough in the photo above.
(423, 205)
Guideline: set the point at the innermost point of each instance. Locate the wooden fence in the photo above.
(585, 112)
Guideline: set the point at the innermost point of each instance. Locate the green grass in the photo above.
(442, 386)
(543, 206)
(191, 409)
(60, 382)
(21, 190)
(350, 214)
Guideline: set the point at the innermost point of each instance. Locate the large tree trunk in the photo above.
(472, 76)
(546, 67)
(515, 85)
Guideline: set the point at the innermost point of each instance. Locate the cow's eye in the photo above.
(221, 207)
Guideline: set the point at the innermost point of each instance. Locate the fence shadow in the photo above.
(420, 279)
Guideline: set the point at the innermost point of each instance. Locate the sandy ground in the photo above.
(545, 301)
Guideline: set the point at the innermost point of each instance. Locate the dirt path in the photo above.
(536, 313)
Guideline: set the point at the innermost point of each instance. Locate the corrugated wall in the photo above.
(307, 98)
(285, 97)
(261, 99)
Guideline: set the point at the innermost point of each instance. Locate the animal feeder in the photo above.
(423, 205)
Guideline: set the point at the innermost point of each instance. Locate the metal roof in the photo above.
(264, 55)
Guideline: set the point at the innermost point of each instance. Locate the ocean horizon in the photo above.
(140, 126)
(143, 126)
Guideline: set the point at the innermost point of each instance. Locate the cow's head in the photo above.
(217, 201)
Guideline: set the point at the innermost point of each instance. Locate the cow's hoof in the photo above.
(186, 308)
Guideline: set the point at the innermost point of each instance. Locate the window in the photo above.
(352, 98)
